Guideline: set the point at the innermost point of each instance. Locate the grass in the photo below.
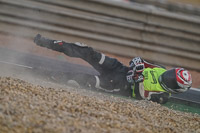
(182, 107)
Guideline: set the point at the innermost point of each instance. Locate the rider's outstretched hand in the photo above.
(37, 39)
(42, 41)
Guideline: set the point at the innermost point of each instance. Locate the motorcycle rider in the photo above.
(143, 80)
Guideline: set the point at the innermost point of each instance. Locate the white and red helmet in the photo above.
(176, 80)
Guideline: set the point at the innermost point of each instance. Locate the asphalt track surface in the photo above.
(50, 67)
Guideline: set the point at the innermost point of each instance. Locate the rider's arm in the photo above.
(82, 51)
(48, 43)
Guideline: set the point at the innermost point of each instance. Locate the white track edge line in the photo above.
(16, 64)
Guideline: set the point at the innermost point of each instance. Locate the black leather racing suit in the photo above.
(112, 76)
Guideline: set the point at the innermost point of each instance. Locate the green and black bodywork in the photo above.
(150, 88)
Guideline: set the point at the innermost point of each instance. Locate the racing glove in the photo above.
(37, 38)
(43, 42)
(137, 64)
(136, 69)
(48, 43)
(132, 76)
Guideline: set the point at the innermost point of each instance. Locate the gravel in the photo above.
(25, 107)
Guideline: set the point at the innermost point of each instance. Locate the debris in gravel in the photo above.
(28, 108)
